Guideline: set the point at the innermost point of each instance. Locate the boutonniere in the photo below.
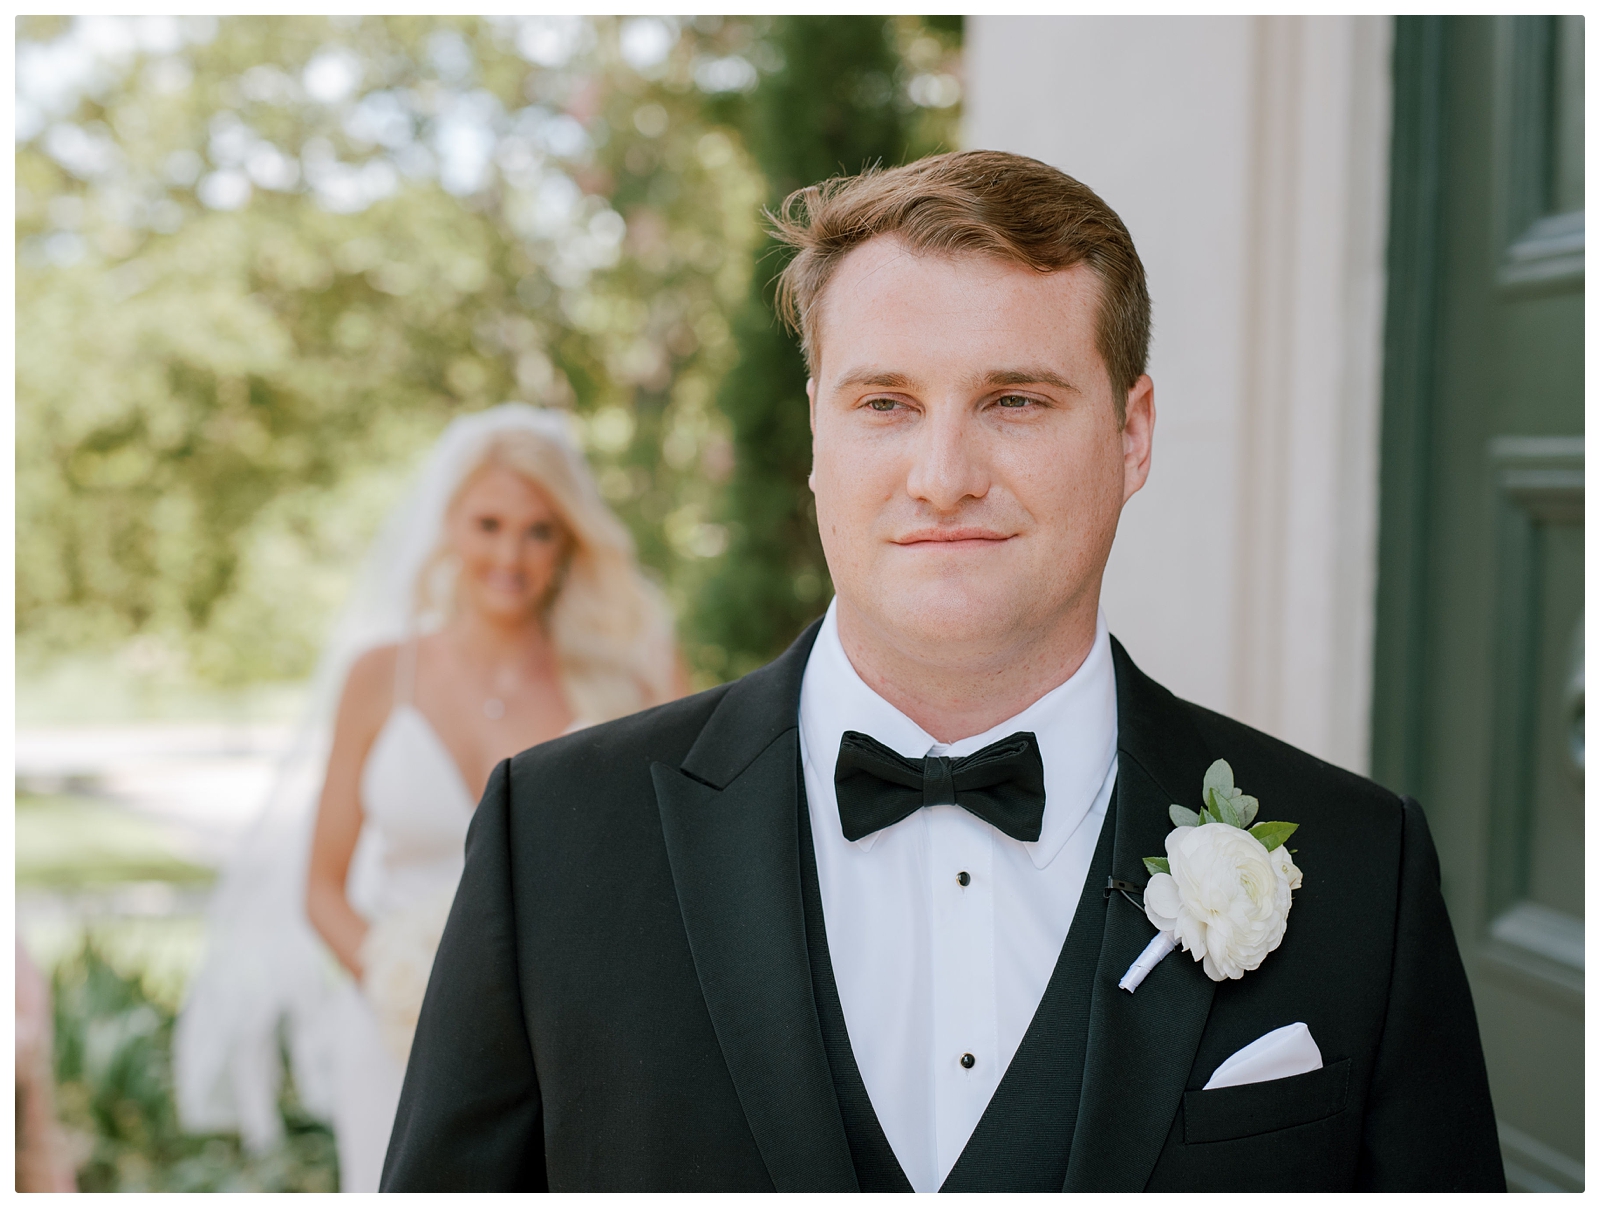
(1223, 890)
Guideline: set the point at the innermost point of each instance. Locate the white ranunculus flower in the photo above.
(1284, 863)
(1227, 898)
(396, 959)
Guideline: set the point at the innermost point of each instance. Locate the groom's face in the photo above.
(969, 463)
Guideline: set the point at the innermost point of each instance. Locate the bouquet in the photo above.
(397, 957)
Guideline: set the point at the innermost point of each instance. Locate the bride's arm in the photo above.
(367, 695)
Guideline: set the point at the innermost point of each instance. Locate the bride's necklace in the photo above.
(505, 681)
(494, 705)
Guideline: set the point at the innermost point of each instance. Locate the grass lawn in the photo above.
(74, 843)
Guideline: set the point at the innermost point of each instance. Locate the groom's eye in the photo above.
(1013, 401)
(488, 524)
(882, 404)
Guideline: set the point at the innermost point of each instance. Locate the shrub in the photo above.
(113, 1067)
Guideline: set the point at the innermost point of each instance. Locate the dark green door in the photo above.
(1478, 707)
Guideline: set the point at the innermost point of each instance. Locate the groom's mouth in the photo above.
(966, 537)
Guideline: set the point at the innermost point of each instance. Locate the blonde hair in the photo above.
(610, 626)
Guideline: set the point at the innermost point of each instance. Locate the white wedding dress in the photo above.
(266, 980)
(416, 809)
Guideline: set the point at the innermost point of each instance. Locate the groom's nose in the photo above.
(947, 464)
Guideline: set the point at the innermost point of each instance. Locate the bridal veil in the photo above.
(265, 983)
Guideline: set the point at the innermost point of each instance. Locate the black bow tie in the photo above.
(1003, 784)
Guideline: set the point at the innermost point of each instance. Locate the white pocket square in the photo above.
(1281, 1053)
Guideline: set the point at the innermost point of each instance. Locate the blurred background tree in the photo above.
(847, 93)
(262, 260)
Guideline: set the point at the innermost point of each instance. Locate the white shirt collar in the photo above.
(1075, 723)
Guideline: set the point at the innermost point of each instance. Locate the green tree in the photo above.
(263, 260)
(844, 98)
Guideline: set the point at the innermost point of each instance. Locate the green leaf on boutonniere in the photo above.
(1222, 808)
(1273, 834)
(1155, 864)
(1183, 817)
(1247, 807)
(1218, 776)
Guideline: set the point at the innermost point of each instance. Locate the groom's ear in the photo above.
(811, 411)
(1138, 435)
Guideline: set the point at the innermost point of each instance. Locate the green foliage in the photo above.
(1246, 807)
(1155, 864)
(263, 260)
(1222, 809)
(1230, 806)
(1218, 778)
(839, 102)
(113, 1068)
(1274, 834)
(260, 268)
(1225, 802)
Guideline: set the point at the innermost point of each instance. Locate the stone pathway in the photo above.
(203, 783)
(198, 787)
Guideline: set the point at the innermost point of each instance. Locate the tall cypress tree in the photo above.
(833, 108)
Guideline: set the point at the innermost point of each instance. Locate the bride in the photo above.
(501, 607)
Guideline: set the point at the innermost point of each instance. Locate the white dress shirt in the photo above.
(928, 969)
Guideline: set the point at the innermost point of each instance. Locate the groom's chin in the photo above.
(945, 621)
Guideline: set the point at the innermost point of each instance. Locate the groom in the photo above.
(845, 923)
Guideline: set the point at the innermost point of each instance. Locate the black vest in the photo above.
(1024, 1138)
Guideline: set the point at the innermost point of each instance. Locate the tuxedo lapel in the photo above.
(1141, 1045)
(729, 816)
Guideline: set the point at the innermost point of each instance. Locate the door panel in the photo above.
(1479, 691)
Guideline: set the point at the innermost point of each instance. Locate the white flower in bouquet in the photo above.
(397, 957)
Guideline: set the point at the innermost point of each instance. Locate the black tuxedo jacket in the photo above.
(622, 998)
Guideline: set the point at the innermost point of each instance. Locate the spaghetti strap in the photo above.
(405, 672)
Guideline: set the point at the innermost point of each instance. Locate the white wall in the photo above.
(1248, 157)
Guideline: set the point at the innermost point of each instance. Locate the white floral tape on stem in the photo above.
(1148, 960)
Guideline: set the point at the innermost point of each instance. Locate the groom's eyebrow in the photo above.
(883, 378)
(1031, 375)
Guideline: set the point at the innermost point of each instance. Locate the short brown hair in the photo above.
(988, 202)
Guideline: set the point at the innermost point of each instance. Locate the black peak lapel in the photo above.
(730, 820)
(1141, 1045)
(753, 712)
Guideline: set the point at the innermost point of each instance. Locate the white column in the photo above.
(1248, 157)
